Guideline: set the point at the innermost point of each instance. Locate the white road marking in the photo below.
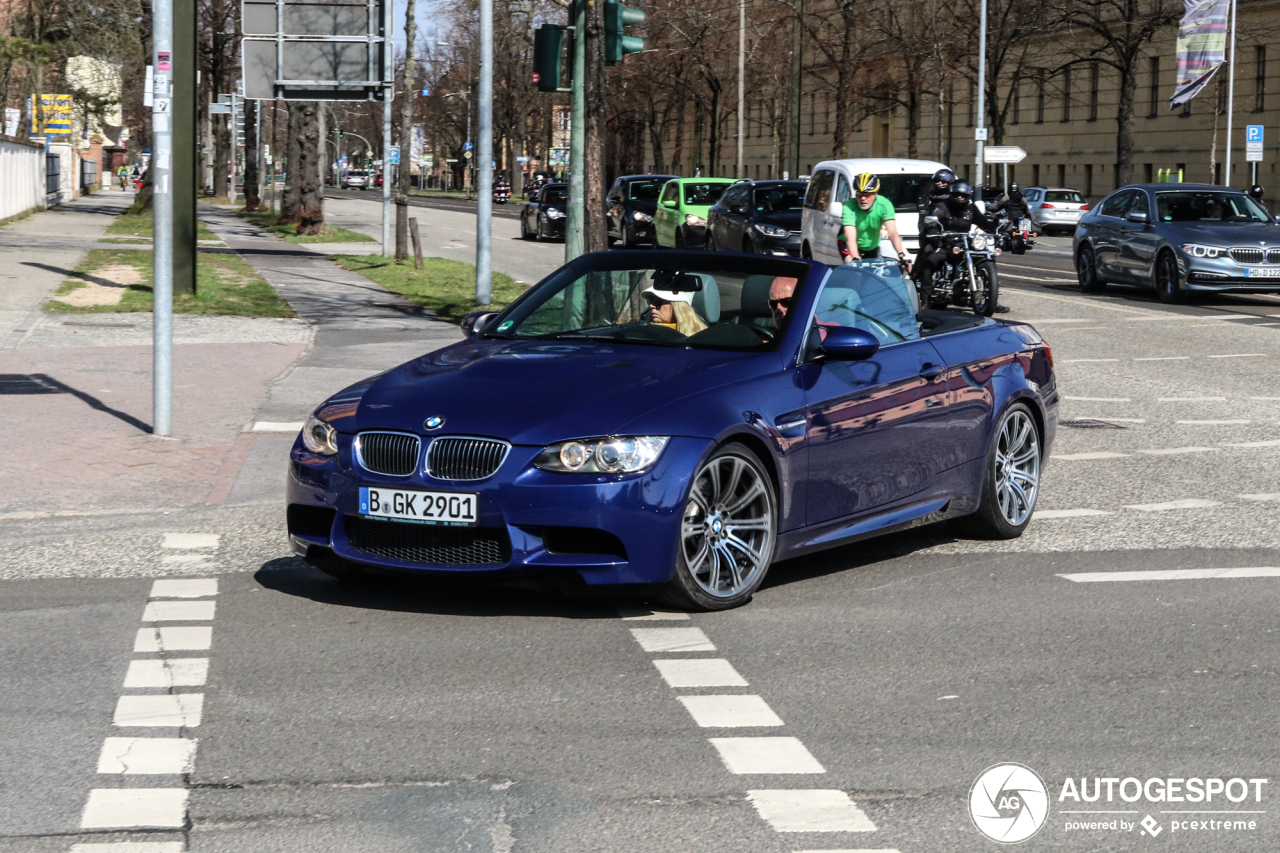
(672, 640)
(1174, 574)
(120, 808)
(173, 639)
(1271, 443)
(1047, 322)
(858, 850)
(192, 559)
(699, 672)
(940, 698)
(1266, 398)
(1068, 513)
(1270, 496)
(810, 811)
(1081, 328)
(1165, 358)
(640, 614)
(1101, 399)
(1213, 423)
(178, 611)
(730, 711)
(1241, 355)
(744, 755)
(1117, 420)
(1186, 503)
(1264, 324)
(1174, 451)
(149, 755)
(129, 847)
(1097, 455)
(181, 672)
(177, 709)
(277, 426)
(190, 541)
(1084, 360)
(1192, 399)
(185, 588)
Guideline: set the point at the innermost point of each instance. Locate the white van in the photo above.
(830, 185)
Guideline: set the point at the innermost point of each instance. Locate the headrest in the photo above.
(707, 300)
(755, 295)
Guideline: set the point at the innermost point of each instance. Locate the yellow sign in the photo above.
(57, 114)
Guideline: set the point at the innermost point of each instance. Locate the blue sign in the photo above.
(426, 93)
(467, 146)
(1253, 133)
(394, 159)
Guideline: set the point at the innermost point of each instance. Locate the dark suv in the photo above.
(761, 217)
(629, 208)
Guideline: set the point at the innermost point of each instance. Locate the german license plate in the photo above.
(1262, 272)
(1024, 224)
(448, 508)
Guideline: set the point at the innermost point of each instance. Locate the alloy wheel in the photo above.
(728, 530)
(1017, 467)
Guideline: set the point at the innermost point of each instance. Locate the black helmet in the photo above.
(961, 191)
(1013, 187)
(1256, 192)
(944, 176)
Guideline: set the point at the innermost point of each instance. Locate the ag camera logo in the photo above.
(1008, 803)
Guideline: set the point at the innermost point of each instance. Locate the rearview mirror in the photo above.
(1137, 216)
(849, 344)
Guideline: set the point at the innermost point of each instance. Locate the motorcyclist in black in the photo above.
(1012, 204)
(956, 213)
(934, 190)
(1256, 193)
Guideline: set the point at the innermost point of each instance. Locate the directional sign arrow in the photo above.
(1003, 154)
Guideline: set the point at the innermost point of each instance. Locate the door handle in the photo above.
(931, 372)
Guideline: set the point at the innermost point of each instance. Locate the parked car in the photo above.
(680, 219)
(543, 215)
(1178, 239)
(760, 217)
(629, 208)
(1055, 208)
(355, 179)
(606, 449)
(829, 187)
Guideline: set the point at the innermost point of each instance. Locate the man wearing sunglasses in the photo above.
(864, 216)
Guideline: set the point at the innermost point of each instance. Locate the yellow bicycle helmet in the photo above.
(866, 183)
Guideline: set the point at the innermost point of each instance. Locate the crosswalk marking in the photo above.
(699, 672)
(730, 711)
(180, 672)
(643, 614)
(178, 709)
(123, 808)
(672, 640)
(184, 588)
(173, 639)
(1174, 574)
(810, 811)
(178, 611)
(147, 755)
(747, 755)
(190, 541)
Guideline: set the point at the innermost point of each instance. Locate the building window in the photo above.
(813, 112)
(1088, 181)
(1148, 172)
(1062, 174)
(1035, 175)
(1017, 101)
(1040, 98)
(1154, 107)
(826, 113)
(1095, 71)
(1066, 95)
(1259, 77)
(973, 96)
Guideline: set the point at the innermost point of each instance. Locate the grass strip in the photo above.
(225, 285)
(289, 231)
(140, 225)
(445, 288)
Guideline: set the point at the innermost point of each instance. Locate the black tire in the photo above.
(1167, 280)
(731, 485)
(747, 246)
(524, 230)
(710, 245)
(539, 233)
(988, 298)
(1001, 514)
(680, 238)
(806, 252)
(1087, 271)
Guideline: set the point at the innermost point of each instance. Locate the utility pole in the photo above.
(184, 166)
(575, 221)
(406, 130)
(739, 169)
(1231, 96)
(797, 44)
(388, 92)
(162, 227)
(484, 154)
(980, 132)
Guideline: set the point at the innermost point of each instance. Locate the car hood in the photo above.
(642, 205)
(537, 392)
(1256, 234)
(788, 219)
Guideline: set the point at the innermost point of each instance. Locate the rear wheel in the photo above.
(1087, 271)
(524, 230)
(727, 533)
(1010, 481)
(1167, 280)
(988, 295)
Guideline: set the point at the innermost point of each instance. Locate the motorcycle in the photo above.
(1015, 237)
(501, 193)
(967, 276)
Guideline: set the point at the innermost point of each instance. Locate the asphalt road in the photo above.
(885, 676)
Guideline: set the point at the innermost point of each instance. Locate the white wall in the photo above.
(21, 177)
(69, 164)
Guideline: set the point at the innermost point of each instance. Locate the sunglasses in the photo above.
(866, 195)
(784, 301)
(655, 301)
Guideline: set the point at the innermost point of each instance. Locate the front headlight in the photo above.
(613, 455)
(319, 437)
(552, 213)
(696, 221)
(1196, 250)
(771, 230)
(641, 216)
(979, 242)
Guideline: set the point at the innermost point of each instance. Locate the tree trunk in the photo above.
(310, 215)
(222, 156)
(655, 141)
(913, 119)
(406, 105)
(595, 236)
(290, 199)
(1124, 128)
(252, 199)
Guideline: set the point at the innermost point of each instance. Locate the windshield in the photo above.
(779, 199)
(1068, 196)
(703, 194)
(645, 190)
(1208, 206)
(552, 195)
(903, 191)
(720, 303)
(872, 297)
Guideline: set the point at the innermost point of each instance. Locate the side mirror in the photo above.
(738, 209)
(1137, 216)
(849, 344)
(475, 322)
(669, 203)
(932, 220)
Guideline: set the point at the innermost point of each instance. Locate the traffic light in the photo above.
(617, 45)
(548, 48)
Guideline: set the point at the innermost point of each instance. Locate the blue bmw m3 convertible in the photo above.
(679, 420)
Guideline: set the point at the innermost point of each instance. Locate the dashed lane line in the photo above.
(1270, 496)
(1175, 451)
(1191, 399)
(766, 755)
(1089, 456)
(1174, 574)
(810, 811)
(699, 672)
(730, 711)
(1271, 443)
(672, 640)
(1100, 399)
(1241, 355)
(1086, 360)
(133, 847)
(1165, 358)
(1186, 503)
(1069, 513)
(147, 755)
(178, 611)
(1219, 422)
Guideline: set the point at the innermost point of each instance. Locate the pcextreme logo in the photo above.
(1008, 803)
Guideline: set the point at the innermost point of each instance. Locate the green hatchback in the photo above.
(680, 221)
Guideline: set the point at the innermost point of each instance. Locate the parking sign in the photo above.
(1253, 134)
(394, 159)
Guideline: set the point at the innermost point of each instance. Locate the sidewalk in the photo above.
(76, 389)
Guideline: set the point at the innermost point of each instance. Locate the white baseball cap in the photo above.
(670, 295)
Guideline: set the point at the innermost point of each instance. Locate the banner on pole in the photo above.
(1202, 46)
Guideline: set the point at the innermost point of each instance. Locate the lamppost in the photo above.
(468, 171)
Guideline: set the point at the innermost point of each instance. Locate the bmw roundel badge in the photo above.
(433, 422)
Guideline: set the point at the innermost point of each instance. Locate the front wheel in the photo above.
(727, 533)
(988, 295)
(1167, 280)
(1087, 271)
(1010, 481)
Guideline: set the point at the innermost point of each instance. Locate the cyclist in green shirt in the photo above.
(864, 215)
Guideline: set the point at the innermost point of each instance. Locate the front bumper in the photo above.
(605, 529)
(553, 227)
(788, 246)
(1224, 274)
(695, 236)
(640, 232)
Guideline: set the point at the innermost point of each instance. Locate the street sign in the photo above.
(1253, 138)
(314, 51)
(466, 154)
(467, 146)
(522, 159)
(1003, 154)
(394, 159)
(219, 109)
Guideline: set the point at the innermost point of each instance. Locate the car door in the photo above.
(816, 199)
(1104, 231)
(664, 217)
(871, 423)
(529, 213)
(1141, 240)
(828, 250)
